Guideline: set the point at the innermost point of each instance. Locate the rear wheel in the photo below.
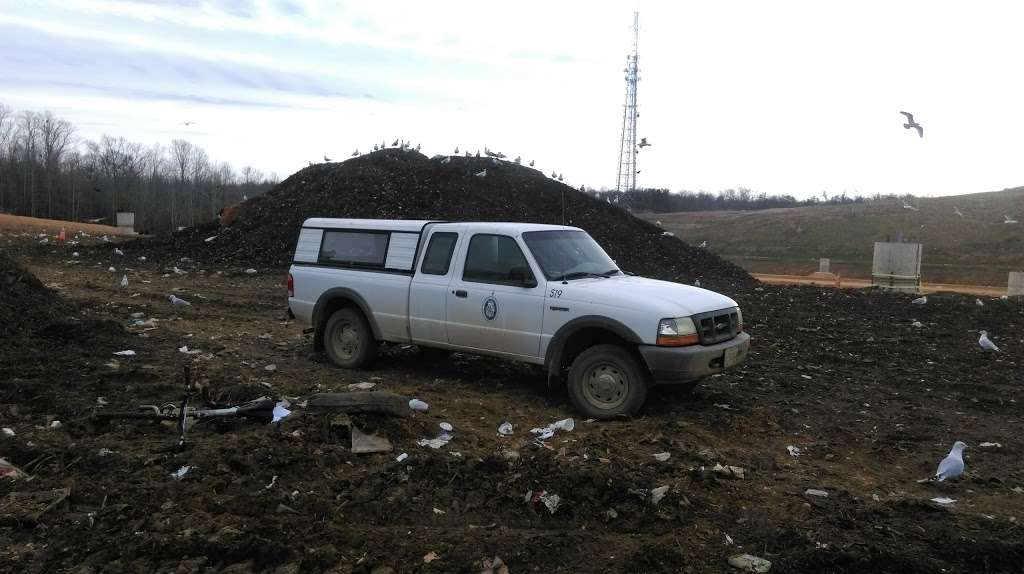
(348, 339)
(606, 382)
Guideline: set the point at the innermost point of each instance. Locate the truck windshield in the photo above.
(569, 255)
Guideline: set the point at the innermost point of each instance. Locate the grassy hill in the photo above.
(977, 248)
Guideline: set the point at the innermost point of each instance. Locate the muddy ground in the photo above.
(872, 402)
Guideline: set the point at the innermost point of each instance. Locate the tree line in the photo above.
(46, 170)
(742, 199)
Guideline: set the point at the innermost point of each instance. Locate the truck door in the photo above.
(429, 289)
(494, 300)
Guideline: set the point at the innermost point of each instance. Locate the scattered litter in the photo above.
(209, 239)
(662, 456)
(361, 386)
(273, 481)
(128, 353)
(180, 473)
(439, 511)
(8, 431)
(270, 368)
(56, 424)
(505, 429)
(728, 471)
(551, 501)
(8, 470)
(250, 271)
(447, 427)
(104, 452)
(658, 493)
(111, 270)
(750, 563)
(808, 377)
(549, 431)
(430, 557)
(990, 445)
(118, 252)
(124, 281)
(493, 565)
(142, 259)
(363, 443)
(418, 405)
(794, 450)
(402, 457)
(816, 492)
(943, 500)
(723, 406)
(441, 440)
(917, 324)
(728, 540)
(280, 411)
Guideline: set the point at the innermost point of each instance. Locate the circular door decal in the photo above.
(490, 308)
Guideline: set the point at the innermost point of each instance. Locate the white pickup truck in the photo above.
(543, 294)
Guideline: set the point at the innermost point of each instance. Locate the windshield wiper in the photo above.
(581, 275)
(609, 273)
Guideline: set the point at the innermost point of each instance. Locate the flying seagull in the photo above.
(912, 124)
(953, 465)
(643, 143)
(956, 211)
(985, 343)
(189, 123)
(1008, 219)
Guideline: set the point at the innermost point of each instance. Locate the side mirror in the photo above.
(522, 277)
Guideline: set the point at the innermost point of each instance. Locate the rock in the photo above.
(750, 563)
(816, 492)
(728, 471)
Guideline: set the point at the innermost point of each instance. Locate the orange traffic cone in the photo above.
(60, 236)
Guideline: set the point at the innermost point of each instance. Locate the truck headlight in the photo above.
(677, 332)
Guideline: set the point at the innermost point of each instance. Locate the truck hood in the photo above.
(662, 298)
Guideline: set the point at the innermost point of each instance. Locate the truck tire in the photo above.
(606, 382)
(348, 339)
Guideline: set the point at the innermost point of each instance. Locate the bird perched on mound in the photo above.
(1008, 219)
(986, 343)
(911, 124)
(355, 153)
(327, 159)
(920, 300)
(952, 466)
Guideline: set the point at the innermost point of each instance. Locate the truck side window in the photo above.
(439, 253)
(495, 259)
(355, 248)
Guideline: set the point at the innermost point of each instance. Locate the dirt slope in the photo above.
(408, 185)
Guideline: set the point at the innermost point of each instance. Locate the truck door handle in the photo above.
(461, 293)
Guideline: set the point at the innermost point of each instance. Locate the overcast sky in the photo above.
(781, 97)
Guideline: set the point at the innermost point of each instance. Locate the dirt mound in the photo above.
(407, 185)
(24, 301)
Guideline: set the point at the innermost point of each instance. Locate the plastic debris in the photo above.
(662, 456)
(549, 431)
(180, 473)
(361, 386)
(250, 271)
(441, 440)
(917, 324)
(8, 431)
(128, 353)
(728, 471)
(8, 470)
(281, 411)
(943, 500)
(658, 493)
(270, 368)
(990, 445)
(418, 405)
(447, 427)
(494, 566)
(430, 557)
(750, 563)
(794, 450)
(209, 239)
(816, 492)
(111, 270)
(550, 501)
(505, 429)
(402, 457)
(55, 424)
(105, 452)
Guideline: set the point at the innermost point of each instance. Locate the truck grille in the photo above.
(717, 326)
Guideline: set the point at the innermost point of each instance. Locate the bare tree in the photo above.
(28, 133)
(7, 144)
(181, 155)
(200, 167)
(119, 163)
(55, 134)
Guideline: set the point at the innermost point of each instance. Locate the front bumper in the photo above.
(684, 364)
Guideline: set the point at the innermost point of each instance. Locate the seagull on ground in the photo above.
(531, 163)
(956, 211)
(985, 343)
(124, 281)
(953, 465)
(979, 303)
(518, 159)
(179, 302)
(355, 153)
(1009, 220)
(375, 147)
(920, 300)
(481, 173)
(118, 252)
(394, 143)
(456, 150)
(911, 124)
(704, 244)
(327, 159)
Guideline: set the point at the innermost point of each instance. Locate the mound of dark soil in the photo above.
(395, 184)
(25, 303)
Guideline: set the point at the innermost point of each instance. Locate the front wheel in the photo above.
(606, 382)
(348, 339)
